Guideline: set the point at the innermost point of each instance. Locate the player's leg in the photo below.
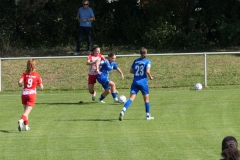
(104, 94)
(28, 107)
(133, 94)
(106, 89)
(26, 114)
(104, 82)
(20, 122)
(24, 118)
(145, 93)
(113, 91)
(91, 83)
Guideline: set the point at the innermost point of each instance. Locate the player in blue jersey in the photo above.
(103, 77)
(140, 69)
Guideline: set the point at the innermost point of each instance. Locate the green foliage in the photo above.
(160, 24)
(7, 24)
(48, 23)
(230, 33)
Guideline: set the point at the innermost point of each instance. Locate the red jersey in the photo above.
(93, 58)
(30, 82)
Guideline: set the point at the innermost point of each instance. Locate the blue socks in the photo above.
(126, 105)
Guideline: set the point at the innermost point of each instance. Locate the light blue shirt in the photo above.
(85, 14)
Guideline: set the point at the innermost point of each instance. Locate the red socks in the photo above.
(25, 120)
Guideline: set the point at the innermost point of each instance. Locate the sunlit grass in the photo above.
(168, 72)
(188, 124)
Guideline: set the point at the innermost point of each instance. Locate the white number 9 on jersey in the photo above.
(30, 81)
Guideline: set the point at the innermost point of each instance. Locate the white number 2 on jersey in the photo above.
(30, 81)
(139, 70)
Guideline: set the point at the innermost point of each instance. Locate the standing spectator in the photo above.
(140, 69)
(31, 79)
(230, 149)
(85, 17)
(92, 72)
(109, 86)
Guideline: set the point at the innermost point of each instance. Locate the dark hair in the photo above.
(94, 48)
(111, 55)
(230, 148)
(143, 52)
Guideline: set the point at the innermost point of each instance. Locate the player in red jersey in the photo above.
(30, 79)
(92, 72)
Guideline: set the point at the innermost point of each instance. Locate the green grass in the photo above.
(168, 72)
(188, 124)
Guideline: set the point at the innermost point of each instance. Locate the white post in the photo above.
(0, 75)
(205, 69)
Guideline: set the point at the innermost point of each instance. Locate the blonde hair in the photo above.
(31, 66)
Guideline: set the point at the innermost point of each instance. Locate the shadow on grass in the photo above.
(76, 103)
(4, 131)
(93, 120)
(97, 120)
(68, 103)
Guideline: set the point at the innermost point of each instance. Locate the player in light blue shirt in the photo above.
(103, 77)
(140, 69)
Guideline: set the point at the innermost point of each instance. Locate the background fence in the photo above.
(169, 70)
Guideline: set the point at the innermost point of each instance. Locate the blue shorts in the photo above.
(142, 87)
(104, 82)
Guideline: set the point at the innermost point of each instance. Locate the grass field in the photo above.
(188, 125)
(168, 72)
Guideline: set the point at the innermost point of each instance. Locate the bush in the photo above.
(158, 24)
(8, 26)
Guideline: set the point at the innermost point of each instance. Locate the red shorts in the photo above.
(92, 79)
(29, 100)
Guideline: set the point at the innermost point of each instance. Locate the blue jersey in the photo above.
(139, 67)
(105, 68)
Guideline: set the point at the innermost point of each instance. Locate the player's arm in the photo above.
(97, 67)
(40, 85)
(120, 71)
(89, 62)
(149, 73)
(20, 82)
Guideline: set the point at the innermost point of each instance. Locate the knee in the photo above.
(107, 91)
(113, 84)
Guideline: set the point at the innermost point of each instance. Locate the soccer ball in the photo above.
(122, 99)
(198, 86)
